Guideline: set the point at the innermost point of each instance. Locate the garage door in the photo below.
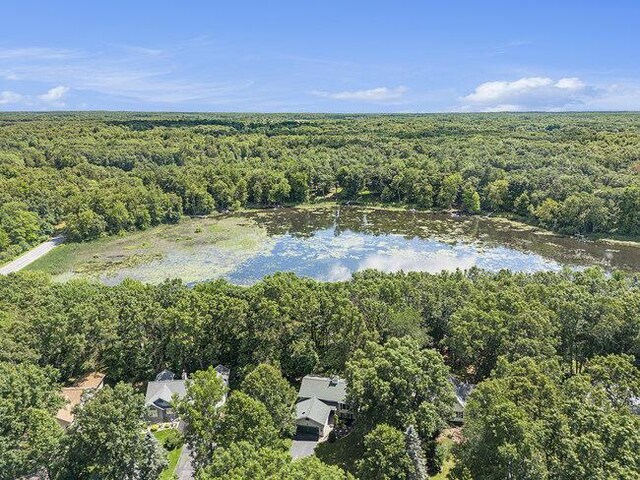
(305, 429)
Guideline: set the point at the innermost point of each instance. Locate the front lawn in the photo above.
(172, 455)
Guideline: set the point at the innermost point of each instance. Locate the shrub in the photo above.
(172, 441)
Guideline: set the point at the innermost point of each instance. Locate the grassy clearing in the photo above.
(345, 451)
(194, 249)
(172, 456)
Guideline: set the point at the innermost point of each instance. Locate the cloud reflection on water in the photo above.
(327, 257)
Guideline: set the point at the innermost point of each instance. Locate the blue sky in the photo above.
(323, 56)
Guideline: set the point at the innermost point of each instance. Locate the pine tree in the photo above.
(414, 450)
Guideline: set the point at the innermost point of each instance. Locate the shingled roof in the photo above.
(462, 390)
(313, 409)
(326, 389)
(161, 392)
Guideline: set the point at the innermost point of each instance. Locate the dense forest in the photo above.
(552, 354)
(101, 173)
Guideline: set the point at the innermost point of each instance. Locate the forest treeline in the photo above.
(552, 353)
(105, 173)
(134, 330)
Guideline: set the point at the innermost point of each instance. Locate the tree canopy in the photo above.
(107, 440)
(106, 173)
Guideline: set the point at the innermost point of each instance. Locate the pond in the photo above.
(329, 244)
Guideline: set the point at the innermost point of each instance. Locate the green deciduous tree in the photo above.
(385, 455)
(244, 418)
(22, 226)
(529, 421)
(449, 190)
(84, 225)
(200, 410)
(401, 384)
(497, 194)
(29, 434)
(470, 199)
(266, 384)
(242, 460)
(108, 440)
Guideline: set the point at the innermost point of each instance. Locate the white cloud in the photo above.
(572, 83)
(617, 97)
(338, 273)
(55, 94)
(411, 260)
(529, 93)
(380, 94)
(10, 97)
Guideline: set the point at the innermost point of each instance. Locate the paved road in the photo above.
(31, 256)
(303, 445)
(184, 468)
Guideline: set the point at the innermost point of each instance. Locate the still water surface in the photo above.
(329, 243)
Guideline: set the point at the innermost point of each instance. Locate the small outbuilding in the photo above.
(77, 394)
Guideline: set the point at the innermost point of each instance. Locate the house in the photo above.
(224, 373)
(81, 391)
(161, 392)
(320, 399)
(462, 391)
(314, 416)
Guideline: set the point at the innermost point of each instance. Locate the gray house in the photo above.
(319, 400)
(159, 397)
(161, 392)
(462, 391)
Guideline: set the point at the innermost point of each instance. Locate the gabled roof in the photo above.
(90, 380)
(461, 390)
(72, 397)
(165, 375)
(324, 388)
(163, 391)
(313, 409)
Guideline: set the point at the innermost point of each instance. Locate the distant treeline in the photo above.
(104, 173)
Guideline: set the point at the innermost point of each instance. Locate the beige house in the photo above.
(81, 390)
